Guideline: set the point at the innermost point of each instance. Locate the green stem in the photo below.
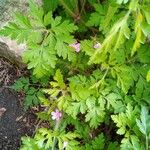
(98, 1)
(54, 143)
(100, 81)
(55, 129)
(82, 9)
(77, 4)
(147, 143)
(68, 9)
(74, 16)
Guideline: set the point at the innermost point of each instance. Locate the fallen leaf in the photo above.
(2, 110)
(19, 118)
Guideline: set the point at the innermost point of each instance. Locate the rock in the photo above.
(9, 49)
(9, 7)
(12, 52)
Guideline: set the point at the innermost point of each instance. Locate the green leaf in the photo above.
(37, 13)
(22, 20)
(64, 27)
(121, 123)
(64, 102)
(64, 51)
(48, 18)
(76, 108)
(110, 13)
(94, 115)
(46, 38)
(136, 143)
(29, 144)
(145, 28)
(98, 142)
(122, 1)
(114, 100)
(133, 5)
(44, 116)
(41, 59)
(148, 76)
(144, 54)
(44, 138)
(79, 88)
(117, 57)
(124, 81)
(16, 32)
(97, 17)
(131, 143)
(115, 38)
(59, 78)
(62, 32)
(87, 47)
(21, 84)
(144, 122)
(113, 145)
(31, 98)
(23, 27)
(146, 13)
(138, 31)
(50, 5)
(126, 144)
(71, 4)
(140, 87)
(124, 121)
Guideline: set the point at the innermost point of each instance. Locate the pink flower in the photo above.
(65, 144)
(56, 115)
(97, 45)
(76, 46)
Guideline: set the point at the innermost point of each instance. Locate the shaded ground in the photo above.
(14, 123)
(10, 129)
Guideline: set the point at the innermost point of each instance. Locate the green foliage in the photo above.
(31, 93)
(122, 1)
(144, 123)
(97, 143)
(29, 143)
(90, 65)
(125, 120)
(148, 76)
(44, 140)
(124, 81)
(52, 7)
(43, 45)
(97, 17)
(113, 41)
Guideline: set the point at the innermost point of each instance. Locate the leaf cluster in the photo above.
(96, 56)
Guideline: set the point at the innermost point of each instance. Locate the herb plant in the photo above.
(96, 54)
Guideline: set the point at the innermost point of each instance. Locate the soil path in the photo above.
(10, 130)
(14, 122)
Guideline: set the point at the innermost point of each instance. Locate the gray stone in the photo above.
(9, 48)
(9, 7)
(12, 52)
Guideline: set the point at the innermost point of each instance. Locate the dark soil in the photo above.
(14, 122)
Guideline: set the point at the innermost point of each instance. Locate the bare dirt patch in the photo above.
(14, 122)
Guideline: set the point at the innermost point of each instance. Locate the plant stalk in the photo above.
(68, 9)
(147, 147)
(55, 129)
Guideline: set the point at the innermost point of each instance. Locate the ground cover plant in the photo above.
(90, 63)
